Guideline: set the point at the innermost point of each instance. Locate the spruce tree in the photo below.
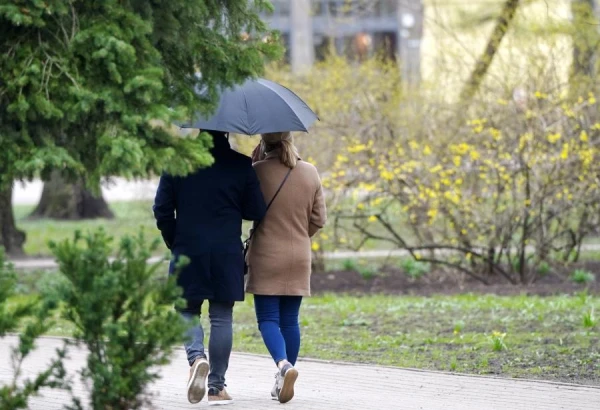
(90, 87)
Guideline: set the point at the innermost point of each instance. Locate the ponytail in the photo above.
(288, 154)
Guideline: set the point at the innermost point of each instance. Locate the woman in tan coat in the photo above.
(279, 256)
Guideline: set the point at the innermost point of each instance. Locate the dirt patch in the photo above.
(394, 281)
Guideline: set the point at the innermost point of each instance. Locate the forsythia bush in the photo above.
(499, 188)
(506, 192)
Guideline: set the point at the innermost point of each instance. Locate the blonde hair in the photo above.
(284, 141)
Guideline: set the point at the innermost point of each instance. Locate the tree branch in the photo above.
(485, 60)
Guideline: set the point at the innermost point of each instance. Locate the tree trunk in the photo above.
(586, 44)
(317, 262)
(485, 60)
(69, 201)
(11, 239)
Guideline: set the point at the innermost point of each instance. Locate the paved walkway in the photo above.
(49, 263)
(332, 386)
(119, 189)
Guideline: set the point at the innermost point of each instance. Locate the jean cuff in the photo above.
(193, 359)
(219, 387)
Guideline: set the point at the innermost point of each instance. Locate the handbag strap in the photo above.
(270, 203)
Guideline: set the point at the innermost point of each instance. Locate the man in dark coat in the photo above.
(200, 216)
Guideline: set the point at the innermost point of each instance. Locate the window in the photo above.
(324, 45)
(387, 7)
(285, 40)
(281, 7)
(386, 44)
(318, 8)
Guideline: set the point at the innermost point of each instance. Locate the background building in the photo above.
(356, 28)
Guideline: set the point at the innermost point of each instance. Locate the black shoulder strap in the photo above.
(270, 203)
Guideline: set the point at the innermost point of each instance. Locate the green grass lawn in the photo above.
(129, 218)
(520, 336)
(552, 338)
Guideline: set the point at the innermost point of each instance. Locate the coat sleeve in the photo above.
(253, 202)
(318, 215)
(164, 209)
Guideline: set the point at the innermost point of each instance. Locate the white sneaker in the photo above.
(285, 383)
(196, 386)
(274, 389)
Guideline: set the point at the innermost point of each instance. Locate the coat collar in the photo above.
(275, 154)
(220, 144)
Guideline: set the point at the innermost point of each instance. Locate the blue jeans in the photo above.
(277, 318)
(221, 338)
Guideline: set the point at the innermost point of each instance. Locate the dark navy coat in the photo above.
(200, 216)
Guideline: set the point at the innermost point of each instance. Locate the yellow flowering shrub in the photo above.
(498, 188)
(509, 188)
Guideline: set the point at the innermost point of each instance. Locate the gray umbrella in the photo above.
(258, 107)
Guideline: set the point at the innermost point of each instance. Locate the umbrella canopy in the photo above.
(257, 107)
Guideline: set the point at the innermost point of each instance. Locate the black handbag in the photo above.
(247, 241)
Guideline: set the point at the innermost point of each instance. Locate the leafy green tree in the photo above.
(90, 87)
(70, 200)
(31, 316)
(123, 314)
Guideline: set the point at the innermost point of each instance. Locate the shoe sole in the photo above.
(220, 402)
(197, 383)
(287, 390)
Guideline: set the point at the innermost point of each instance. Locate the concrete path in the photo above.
(332, 386)
(49, 263)
(119, 189)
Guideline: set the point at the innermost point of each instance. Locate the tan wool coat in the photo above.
(279, 257)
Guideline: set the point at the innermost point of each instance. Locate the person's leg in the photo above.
(289, 308)
(194, 337)
(267, 316)
(220, 343)
(194, 347)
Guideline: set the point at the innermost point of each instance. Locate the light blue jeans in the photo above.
(221, 338)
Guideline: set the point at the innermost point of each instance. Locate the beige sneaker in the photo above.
(196, 386)
(218, 397)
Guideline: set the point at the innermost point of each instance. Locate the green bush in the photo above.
(459, 326)
(123, 314)
(543, 269)
(497, 341)
(415, 269)
(350, 265)
(582, 276)
(589, 320)
(367, 272)
(38, 282)
(30, 317)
